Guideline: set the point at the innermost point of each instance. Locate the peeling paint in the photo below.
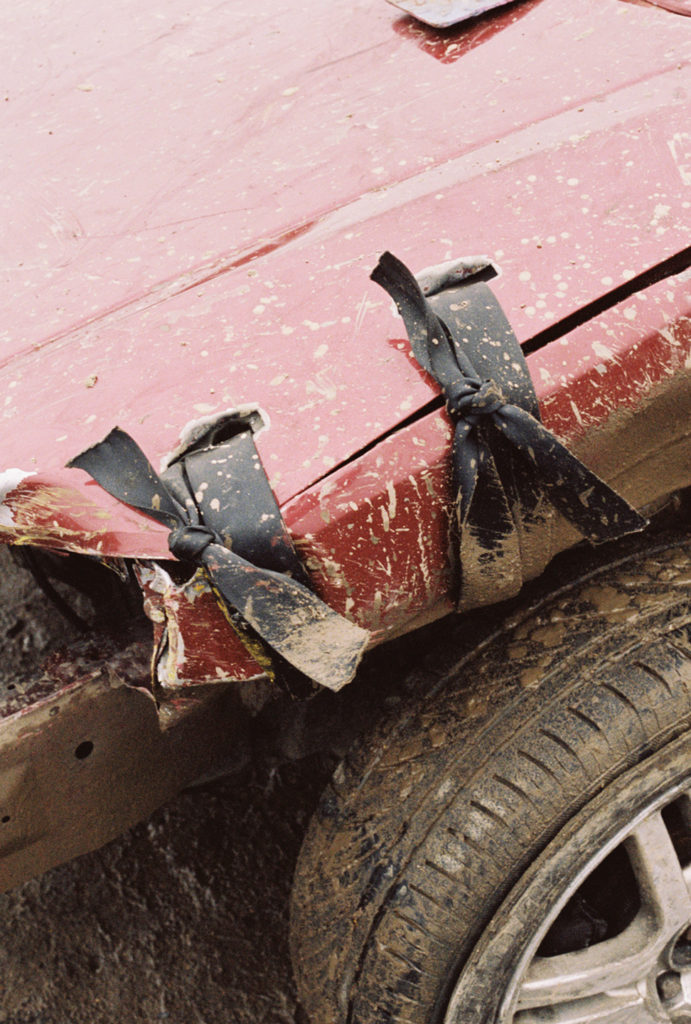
(192, 639)
(10, 479)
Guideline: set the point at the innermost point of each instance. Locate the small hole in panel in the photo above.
(83, 750)
(5, 818)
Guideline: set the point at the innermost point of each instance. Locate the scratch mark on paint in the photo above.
(392, 500)
(680, 148)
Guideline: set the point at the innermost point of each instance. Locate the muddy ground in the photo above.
(183, 919)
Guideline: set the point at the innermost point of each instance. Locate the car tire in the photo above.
(498, 826)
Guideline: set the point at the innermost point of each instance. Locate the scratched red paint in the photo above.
(193, 643)
(397, 536)
(214, 249)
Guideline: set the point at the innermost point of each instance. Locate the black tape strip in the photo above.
(222, 515)
(233, 498)
(505, 462)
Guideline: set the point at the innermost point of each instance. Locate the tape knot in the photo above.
(472, 398)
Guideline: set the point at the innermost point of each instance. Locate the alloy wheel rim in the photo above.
(639, 976)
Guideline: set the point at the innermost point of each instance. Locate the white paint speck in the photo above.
(601, 351)
(680, 148)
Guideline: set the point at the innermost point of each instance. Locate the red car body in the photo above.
(193, 205)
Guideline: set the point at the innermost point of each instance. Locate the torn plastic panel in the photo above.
(506, 466)
(221, 513)
(445, 13)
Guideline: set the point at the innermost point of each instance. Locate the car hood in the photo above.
(194, 203)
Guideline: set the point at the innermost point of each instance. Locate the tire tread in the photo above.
(485, 798)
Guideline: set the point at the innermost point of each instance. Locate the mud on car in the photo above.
(372, 327)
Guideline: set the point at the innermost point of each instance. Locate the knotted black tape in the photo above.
(473, 399)
(504, 460)
(192, 501)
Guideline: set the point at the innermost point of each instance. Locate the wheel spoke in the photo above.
(607, 981)
(612, 967)
(664, 890)
(624, 1007)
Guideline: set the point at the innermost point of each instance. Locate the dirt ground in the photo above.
(184, 919)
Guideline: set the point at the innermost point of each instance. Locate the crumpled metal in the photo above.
(293, 621)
